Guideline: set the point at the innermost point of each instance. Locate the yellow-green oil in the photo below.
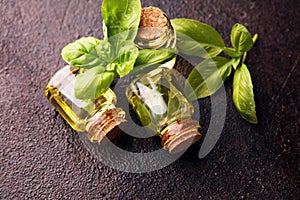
(77, 113)
(57, 100)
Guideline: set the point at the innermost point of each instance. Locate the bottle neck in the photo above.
(180, 135)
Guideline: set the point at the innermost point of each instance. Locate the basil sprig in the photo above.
(105, 59)
(198, 39)
(93, 54)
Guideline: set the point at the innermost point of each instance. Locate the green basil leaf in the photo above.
(207, 77)
(173, 105)
(155, 56)
(243, 96)
(149, 59)
(232, 52)
(197, 39)
(126, 56)
(241, 38)
(142, 112)
(87, 52)
(121, 16)
(92, 83)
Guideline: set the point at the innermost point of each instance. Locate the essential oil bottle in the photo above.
(163, 109)
(99, 117)
(155, 32)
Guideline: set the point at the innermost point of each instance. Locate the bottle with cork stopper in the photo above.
(98, 117)
(163, 109)
(155, 30)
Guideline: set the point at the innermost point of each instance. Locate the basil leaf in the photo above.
(120, 16)
(173, 105)
(143, 113)
(207, 77)
(87, 52)
(197, 39)
(92, 83)
(241, 38)
(243, 96)
(126, 56)
(232, 52)
(154, 56)
(149, 59)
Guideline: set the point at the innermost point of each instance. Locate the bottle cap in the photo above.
(106, 125)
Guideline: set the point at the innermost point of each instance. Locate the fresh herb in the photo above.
(105, 59)
(90, 53)
(198, 39)
(243, 96)
(124, 58)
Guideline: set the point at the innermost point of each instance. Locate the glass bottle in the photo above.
(163, 109)
(156, 31)
(99, 117)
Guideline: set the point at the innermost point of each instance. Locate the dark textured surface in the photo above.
(40, 156)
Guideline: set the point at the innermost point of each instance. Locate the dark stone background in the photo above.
(41, 157)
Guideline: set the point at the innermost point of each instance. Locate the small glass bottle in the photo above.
(99, 117)
(155, 30)
(164, 110)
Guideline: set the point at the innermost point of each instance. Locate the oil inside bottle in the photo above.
(60, 92)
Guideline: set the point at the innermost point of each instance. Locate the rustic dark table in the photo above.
(41, 157)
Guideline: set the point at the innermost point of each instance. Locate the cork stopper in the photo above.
(106, 125)
(153, 23)
(180, 135)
